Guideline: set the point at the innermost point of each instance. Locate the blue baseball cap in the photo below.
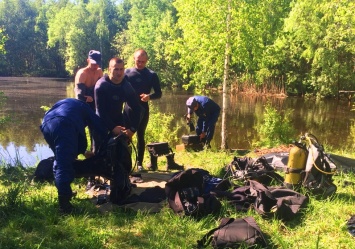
(191, 103)
(94, 57)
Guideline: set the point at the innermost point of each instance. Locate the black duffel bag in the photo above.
(234, 233)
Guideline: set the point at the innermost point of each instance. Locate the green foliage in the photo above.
(24, 27)
(12, 197)
(45, 108)
(276, 128)
(2, 103)
(78, 28)
(202, 43)
(3, 39)
(273, 45)
(317, 46)
(150, 27)
(160, 127)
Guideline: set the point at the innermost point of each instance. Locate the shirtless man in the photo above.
(85, 78)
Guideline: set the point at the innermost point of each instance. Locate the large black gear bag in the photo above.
(234, 233)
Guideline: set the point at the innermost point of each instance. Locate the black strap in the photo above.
(292, 170)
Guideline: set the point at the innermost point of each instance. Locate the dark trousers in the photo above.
(128, 114)
(140, 136)
(64, 140)
(209, 129)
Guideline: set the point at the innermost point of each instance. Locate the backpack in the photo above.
(276, 202)
(258, 169)
(44, 171)
(188, 193)
(234, 233)
(317, 169)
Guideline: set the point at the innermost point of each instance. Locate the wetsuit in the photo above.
(143, 81)
(110, 98)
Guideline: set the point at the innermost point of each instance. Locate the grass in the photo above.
(29, 216)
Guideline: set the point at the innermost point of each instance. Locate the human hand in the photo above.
(202, 135)
(117, 130)
(144, 97)
(188, 117)
(88, 154)
(129, 133)
(89, 99)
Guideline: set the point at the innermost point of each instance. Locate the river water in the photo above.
(331, 121)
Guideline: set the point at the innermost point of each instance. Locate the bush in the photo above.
(276, 128)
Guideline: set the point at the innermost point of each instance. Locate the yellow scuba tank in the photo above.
(296, 164)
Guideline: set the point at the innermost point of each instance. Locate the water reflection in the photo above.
(331, 121)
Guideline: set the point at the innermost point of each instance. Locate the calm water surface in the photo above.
(331, 121)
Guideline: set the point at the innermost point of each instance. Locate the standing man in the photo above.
(86, 78)
(111, 92)
(208, 112)
(63, 127)
(143, 80)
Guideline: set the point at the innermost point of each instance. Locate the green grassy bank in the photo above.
(29, 216)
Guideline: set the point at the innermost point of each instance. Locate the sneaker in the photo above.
(140, 168)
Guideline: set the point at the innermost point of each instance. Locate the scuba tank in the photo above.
(308, 166)
(295, 165)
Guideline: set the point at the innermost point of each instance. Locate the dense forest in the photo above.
(284, 46)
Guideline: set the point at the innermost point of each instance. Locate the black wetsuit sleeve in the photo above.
(80, 91)
(156, 87)
(134, 103)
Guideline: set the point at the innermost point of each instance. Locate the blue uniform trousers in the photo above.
(65, 142)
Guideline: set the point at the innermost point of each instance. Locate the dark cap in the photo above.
(94, 57)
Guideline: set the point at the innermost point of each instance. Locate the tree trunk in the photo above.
(224, 145)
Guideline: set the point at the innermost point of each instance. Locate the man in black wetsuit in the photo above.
(143, 80)
(111, 92)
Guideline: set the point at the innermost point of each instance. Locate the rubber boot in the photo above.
(171, 165)
(65, 207)
(153, 163)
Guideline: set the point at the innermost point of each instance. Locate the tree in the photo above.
(3, 39)
(17, 17)
(149, 27)
(78, 28)
(319, 42)
(225, 80)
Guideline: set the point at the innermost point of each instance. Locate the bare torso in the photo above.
(88, 76)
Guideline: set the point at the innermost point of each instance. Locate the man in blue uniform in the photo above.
(143, 80)
(208, 112)
(63, 127)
